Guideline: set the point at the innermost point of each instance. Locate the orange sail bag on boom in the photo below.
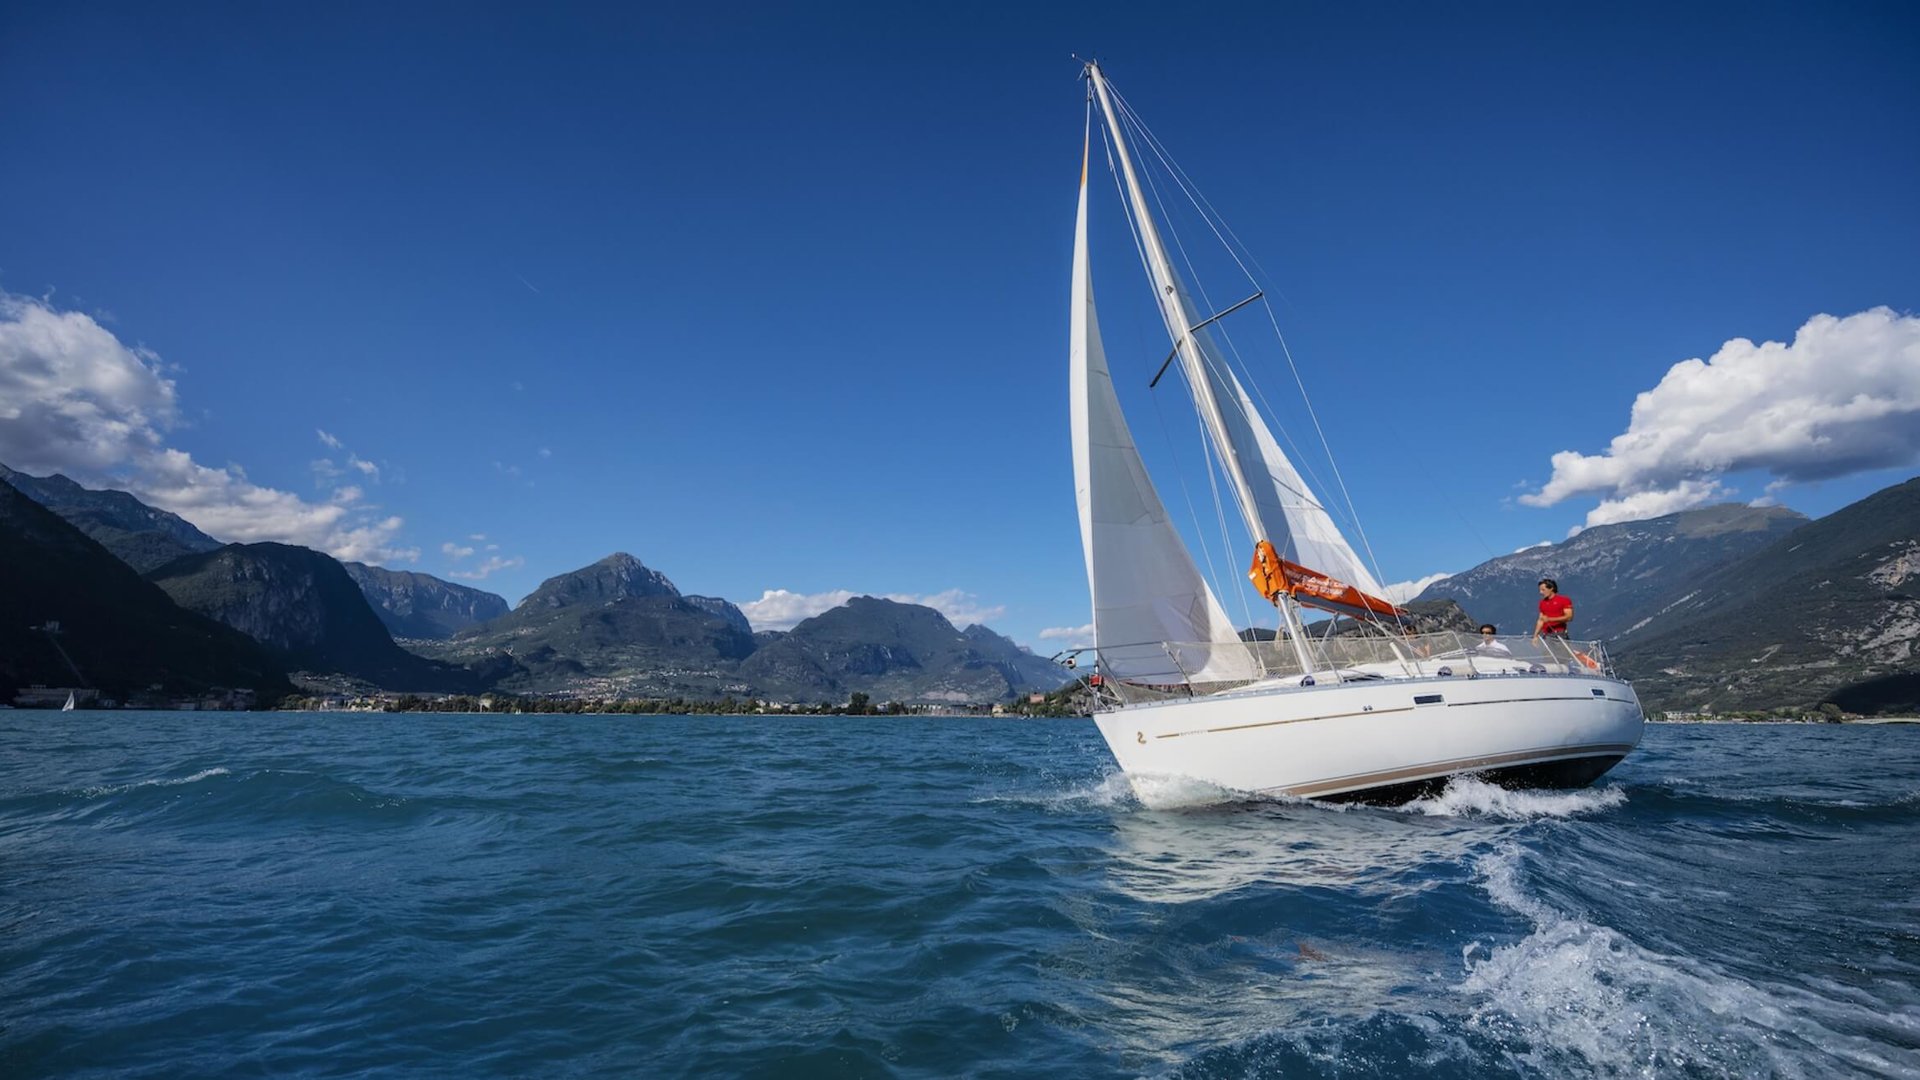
(1273, 575)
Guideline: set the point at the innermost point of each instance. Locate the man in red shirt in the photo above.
(1556, 611)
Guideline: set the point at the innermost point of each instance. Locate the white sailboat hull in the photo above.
(1387, 740)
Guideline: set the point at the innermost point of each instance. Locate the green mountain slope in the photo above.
(123, 633)
(141, 536)
(894, 652)
(302, 605)
(615, 627)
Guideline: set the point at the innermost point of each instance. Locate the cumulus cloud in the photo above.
(331, 442)
(486, 569)
(1842, 397)
(1402, 591)
(780, 609)
(74, 399)
(455, 551)
(1077, 635)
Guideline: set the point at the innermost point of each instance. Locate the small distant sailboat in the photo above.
(68, 707)
(1180, 694)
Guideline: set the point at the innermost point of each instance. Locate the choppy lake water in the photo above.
(296, 894)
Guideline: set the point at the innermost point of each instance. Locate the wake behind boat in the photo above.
(1385, 717)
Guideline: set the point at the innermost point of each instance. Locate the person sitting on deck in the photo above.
(1556, 611)
(1489, 644)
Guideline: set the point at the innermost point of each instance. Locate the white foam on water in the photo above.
(1117, 789)
(1576, 990)
(175, 781)
(1110, 790)
(1170, 792)
(1464, 796)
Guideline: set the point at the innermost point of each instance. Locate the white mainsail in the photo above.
(1273, 498)
(1146, 590)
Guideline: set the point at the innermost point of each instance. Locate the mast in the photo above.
(1180, 320)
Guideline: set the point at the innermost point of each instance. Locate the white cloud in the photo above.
(1074, 635)
(489, 567)
(477, 536)
(332, 442)
(455, 551)
(325, 472)
(347, 494)
(1530, 547)
(779, 609)
(75, 399)
(545, 452)
(1641, 505)
(72, 397)
(1402, 591)
(1843, 397)
(366, 467)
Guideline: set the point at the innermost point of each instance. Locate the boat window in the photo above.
(1427, 699)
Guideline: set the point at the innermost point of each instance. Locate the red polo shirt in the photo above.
(1554, 607)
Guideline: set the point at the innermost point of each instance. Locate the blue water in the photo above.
(194, 894)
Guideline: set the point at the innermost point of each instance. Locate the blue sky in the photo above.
(776, 298)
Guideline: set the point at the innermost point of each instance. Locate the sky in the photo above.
(775, 297)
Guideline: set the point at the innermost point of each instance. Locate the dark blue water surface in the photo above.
(195, 894)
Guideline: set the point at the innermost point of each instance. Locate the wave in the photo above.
(1577, 997)
(100, 791)
(218, 795)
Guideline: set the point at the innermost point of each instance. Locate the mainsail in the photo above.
(1274, 499)
(1147, 593)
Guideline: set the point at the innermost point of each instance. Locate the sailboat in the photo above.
(1381, 716)
(68, 707)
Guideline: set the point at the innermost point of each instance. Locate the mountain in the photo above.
(303, 606)
(615, 627)
(1831, 611)
(416, 605)
(894, 652)
(139, 535)
(123, 633)
(1616, 575)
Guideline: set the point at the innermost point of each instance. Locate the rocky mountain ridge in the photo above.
(303, 606)
(139, 535)
(1616, 575)
(1832, 606)
(416, 605)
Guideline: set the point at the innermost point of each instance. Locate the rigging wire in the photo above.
(1166, 433)
(1220, 366)
(1207, 214)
